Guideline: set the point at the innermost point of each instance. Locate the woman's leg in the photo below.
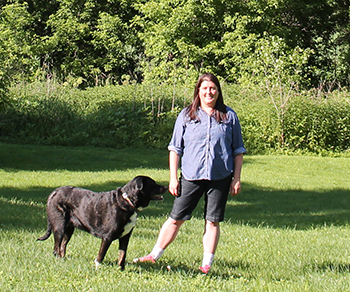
(215, 203)
(211, 236)
(167, 234)
(210, 242)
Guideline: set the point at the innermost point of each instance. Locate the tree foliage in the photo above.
(89, 42)
(18, 42)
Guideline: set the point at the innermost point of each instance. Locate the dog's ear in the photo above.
(133, 187)
(139, 183)
(136, 184)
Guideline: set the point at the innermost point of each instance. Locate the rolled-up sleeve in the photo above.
(238, 145)
(176, 143)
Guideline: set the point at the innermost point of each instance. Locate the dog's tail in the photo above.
(48, 232)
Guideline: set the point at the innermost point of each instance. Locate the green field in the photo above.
(287, 231)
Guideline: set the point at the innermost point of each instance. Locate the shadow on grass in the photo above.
(328, 266)
(164, 266)
(23, 210)
(295, 209)
(51, 158)
(256, 207)
(278, 209)
(235, 269)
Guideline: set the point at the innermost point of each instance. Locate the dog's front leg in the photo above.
(103, 250)
(123, 246)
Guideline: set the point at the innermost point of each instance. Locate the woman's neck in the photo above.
(209, 110)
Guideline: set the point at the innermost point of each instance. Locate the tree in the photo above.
(321, 26)
(180, 37)
(184, 38)
(93, 40)
(18, 44)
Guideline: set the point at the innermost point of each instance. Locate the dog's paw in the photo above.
(97, 263)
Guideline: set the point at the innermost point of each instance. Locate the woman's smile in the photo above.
(208, 94)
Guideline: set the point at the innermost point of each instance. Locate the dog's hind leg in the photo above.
(123, 246)
(68, 232)
(103, 250)
(58, 236)
(59, 230)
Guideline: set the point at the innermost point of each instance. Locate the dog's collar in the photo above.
(126, 198)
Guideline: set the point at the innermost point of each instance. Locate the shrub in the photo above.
(144, 115)
(317, 124)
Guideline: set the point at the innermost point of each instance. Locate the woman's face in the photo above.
(208, 94)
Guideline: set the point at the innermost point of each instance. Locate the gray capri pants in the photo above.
(215, 192)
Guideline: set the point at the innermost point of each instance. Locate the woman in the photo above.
(207, 136)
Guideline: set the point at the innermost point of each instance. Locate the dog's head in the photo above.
(141, 190)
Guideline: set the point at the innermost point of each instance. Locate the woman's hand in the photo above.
(174, 187)
(235, 187)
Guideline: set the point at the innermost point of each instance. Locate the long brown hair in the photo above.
(219, 109)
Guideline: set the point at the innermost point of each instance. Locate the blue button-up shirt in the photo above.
(207, 147)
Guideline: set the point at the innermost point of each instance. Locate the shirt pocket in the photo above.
(224, 134)
(225, 128)
(193, 131)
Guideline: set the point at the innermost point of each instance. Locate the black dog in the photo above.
(106, 215)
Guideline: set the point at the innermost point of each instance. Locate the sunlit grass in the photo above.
(288, 230)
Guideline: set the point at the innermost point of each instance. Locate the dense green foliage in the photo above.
(88, 42)
(139, 115)
(276, 52)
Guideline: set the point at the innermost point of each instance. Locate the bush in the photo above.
(318, 124)
(113, 116)
(144, 115)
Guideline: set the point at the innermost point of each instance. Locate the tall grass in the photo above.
(288, 230)
(143, 116)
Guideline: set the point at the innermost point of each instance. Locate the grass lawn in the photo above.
(287, 231)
